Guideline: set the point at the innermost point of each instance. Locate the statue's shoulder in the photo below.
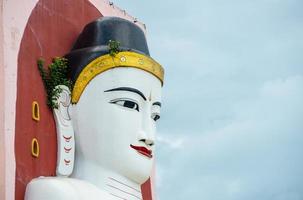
(57, 188)
(49, 188)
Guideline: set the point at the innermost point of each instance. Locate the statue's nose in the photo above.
(148, 139)
(147, 131)
(148, 142)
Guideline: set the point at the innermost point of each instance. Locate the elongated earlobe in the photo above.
(65, 133)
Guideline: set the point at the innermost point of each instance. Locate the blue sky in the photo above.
(232, 120)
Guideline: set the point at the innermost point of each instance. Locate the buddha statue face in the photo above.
(115, 121)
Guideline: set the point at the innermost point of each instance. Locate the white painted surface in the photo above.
(107, 120)
(44, 188)
(65, 134)
(110, 128)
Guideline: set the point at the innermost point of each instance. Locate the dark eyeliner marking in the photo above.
(127, 104)
(130, 104)
(157, 104)
(157, 117)
(127, 89)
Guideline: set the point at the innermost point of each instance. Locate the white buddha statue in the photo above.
(110, 114)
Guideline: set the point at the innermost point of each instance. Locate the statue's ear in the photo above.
(65, 132)
(63, 101)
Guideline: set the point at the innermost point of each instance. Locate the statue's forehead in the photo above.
(139, 79)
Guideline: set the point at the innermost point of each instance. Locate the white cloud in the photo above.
(291, 86)
(171, 141)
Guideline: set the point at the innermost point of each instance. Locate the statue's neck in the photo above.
(119, 187)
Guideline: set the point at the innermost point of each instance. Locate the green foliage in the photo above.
(114, 47)
(55, 75)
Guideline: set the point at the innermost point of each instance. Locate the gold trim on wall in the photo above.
(35, 111)
(35, 148)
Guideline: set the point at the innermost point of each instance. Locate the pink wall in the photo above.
(13, 26)
(2, 155)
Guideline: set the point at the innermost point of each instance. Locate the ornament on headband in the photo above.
(106, 62)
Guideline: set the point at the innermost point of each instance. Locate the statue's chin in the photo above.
(139, 176)
(137, 168)
(138, 171)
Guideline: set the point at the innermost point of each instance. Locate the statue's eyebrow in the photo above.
(127, 89)
(157, 103)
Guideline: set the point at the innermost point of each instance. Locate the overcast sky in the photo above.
(231, 125)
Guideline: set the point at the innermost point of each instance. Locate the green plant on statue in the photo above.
(114, 47)
(55, 75)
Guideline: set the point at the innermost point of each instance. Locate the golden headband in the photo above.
(106, 62)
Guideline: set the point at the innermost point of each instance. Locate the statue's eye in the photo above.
(127, 104)
(155, 117)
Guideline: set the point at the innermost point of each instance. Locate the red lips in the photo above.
(142, 150)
